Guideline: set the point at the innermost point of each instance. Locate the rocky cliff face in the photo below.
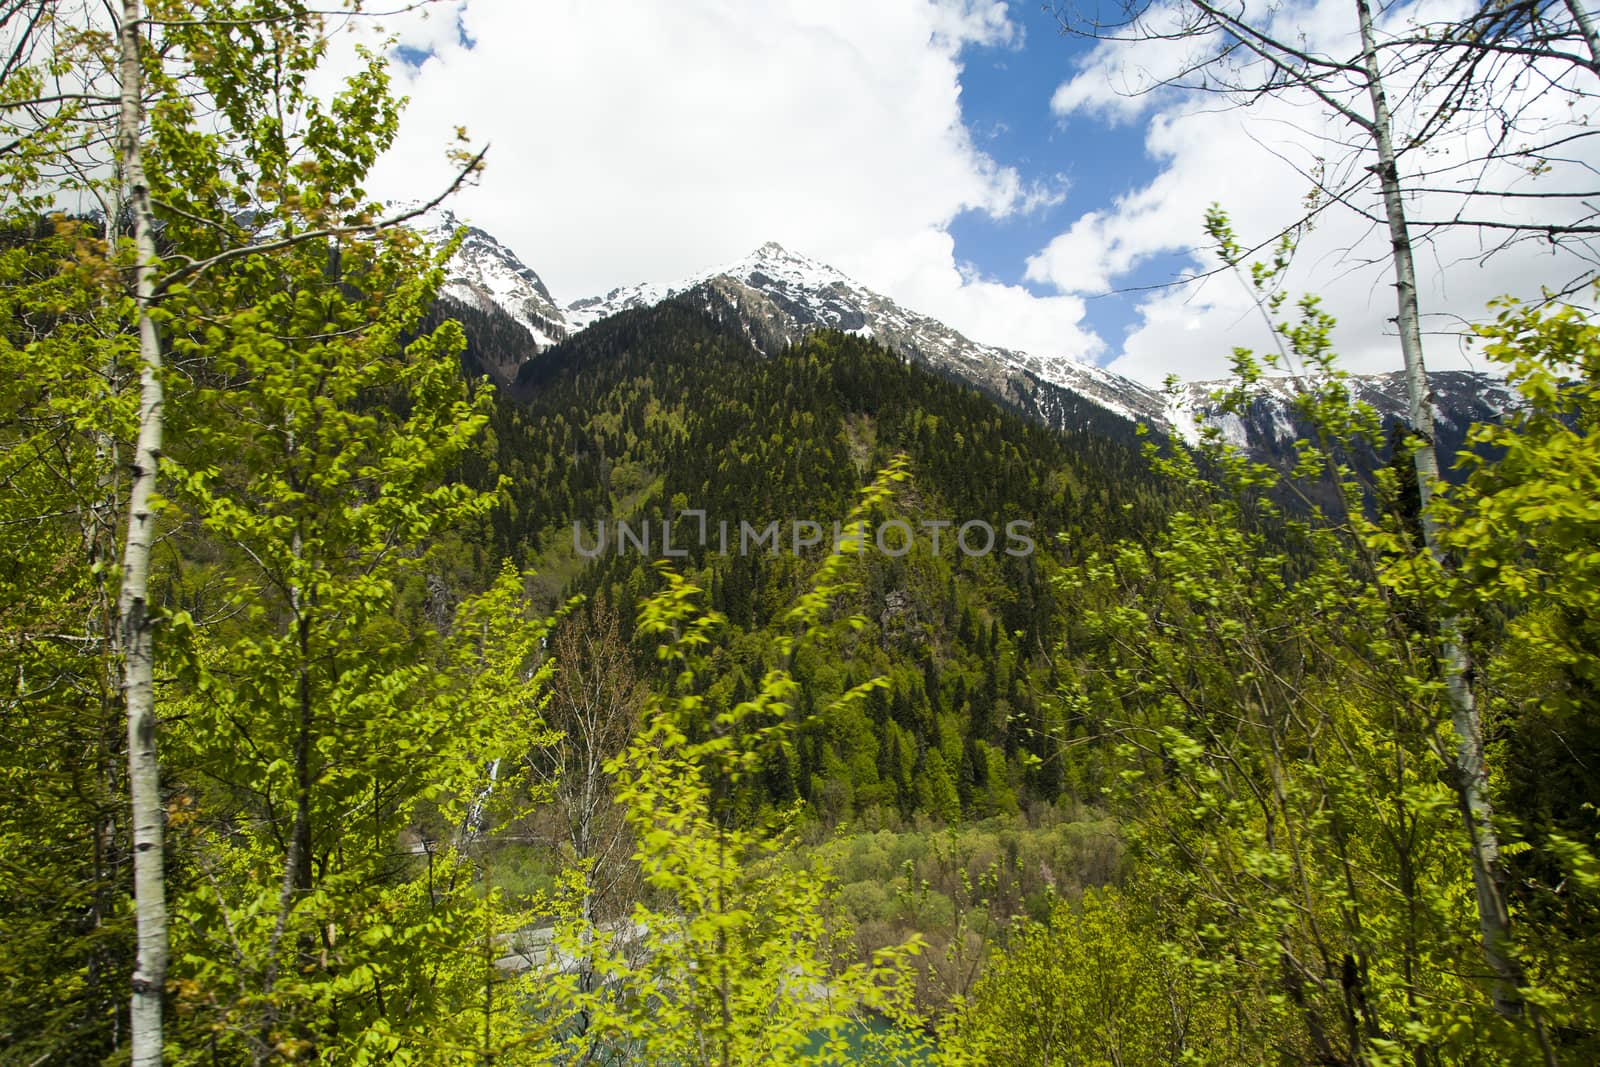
(488, 278)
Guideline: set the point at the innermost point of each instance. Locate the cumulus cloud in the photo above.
(637, 141)
(1261, 164)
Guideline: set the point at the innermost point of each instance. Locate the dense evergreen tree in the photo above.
(658, 412)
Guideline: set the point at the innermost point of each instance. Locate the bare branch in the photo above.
(195, 267)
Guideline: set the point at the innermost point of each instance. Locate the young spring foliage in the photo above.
(321, 726)
(1275, 724)
(741, 961)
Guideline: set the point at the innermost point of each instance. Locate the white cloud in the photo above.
(1255, 164)
(925, 275)
(958, 22)
(637, 141)
(1115, 84)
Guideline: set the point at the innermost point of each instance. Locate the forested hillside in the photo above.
(663, 411)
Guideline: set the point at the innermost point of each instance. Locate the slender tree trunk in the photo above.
(1471, 777)
(135, 624)
(1585, 24)
(301, 849)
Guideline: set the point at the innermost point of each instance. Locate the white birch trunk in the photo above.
(1471, 777)
(1585, 25)
(135, 625)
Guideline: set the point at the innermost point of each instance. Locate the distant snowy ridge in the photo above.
(776, 296)
(1269, 423)
(487, 275)
(781, 295)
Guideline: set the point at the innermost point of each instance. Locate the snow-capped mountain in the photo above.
(486, 275)
(775, 296)
(1269, 426)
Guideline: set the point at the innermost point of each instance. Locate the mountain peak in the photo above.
(777, 265)
(773, 252)
(487, 275)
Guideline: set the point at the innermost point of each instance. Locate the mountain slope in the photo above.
(775, 297)
(779, 296)
(656, 413)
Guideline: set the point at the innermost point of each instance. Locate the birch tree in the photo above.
(1448, 79)
(221, 157)
(136, 621)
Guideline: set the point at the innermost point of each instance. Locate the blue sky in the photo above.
(1005, 102)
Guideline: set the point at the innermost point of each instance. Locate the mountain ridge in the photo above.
(776, 296)
(792, 294)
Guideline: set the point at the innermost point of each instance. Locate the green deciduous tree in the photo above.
(222, 159)
(274, 146)
(1278, 734)
(381, 946)
(1282, 732)
(1524, 527)
(1094, 985)
(316, 464)
(1425, 98)
(741, 962)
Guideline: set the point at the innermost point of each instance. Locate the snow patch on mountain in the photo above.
(485, 274)
(781, 295)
